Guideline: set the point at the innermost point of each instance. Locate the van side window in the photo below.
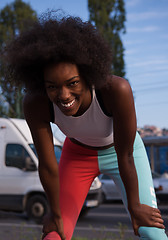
(17, 156)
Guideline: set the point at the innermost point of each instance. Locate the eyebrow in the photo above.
(68, 80)
(72, 78)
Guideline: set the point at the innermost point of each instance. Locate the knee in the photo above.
(151, 233)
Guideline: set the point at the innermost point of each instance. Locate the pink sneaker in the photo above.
(51, 236)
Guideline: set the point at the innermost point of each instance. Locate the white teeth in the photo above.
(68, 104)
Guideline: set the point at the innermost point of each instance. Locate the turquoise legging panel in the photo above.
(108, 164)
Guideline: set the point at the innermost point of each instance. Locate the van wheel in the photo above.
(37, 207)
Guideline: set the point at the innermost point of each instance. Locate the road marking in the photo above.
(102, 229)
(108, 214)
(122, 215)
(20, 225)
(76, 228)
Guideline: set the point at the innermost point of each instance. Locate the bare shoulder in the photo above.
(116, 93)
(117, 85)
(34, 98)
(36, 106)
(37, 115)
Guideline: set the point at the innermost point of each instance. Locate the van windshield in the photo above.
(57, 150)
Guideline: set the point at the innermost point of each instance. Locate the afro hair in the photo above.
(52, 40)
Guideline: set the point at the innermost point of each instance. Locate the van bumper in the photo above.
(93, 198)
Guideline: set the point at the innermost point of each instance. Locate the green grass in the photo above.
(103, 235)
(23, 233)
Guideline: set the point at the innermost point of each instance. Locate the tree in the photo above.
(3, 107)
(2, 111)
(109, 18)
(13, 20)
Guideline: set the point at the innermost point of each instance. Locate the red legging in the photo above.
(77, 169)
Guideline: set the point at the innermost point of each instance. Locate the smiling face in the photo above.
(66, 89)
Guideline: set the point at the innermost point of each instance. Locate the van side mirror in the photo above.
(29, 164)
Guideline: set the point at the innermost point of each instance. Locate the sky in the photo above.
(146, 51)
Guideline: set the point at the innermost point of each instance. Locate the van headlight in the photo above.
(95, 184)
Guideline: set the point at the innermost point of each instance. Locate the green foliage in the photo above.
(109, 18)
(14, 19)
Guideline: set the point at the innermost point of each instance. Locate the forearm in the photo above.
(129, 177)
(50, 181)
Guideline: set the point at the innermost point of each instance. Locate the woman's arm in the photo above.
(37, 114)
(120, 104)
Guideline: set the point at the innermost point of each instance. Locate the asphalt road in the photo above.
(108, 221)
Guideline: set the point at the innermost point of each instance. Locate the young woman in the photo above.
(65, 67)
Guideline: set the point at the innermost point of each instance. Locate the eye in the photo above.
(74, 83)
(51, 87)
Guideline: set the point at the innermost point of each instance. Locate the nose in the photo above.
(64, 94)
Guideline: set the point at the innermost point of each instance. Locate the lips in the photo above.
(67, 105)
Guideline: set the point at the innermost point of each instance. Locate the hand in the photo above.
(144, 215)
(51, 224)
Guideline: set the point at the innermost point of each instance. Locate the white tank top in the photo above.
(92, 128)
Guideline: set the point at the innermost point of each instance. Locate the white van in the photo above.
(20, 187)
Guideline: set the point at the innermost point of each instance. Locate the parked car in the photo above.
(20, 186)
(161, 187)
(110, 191)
